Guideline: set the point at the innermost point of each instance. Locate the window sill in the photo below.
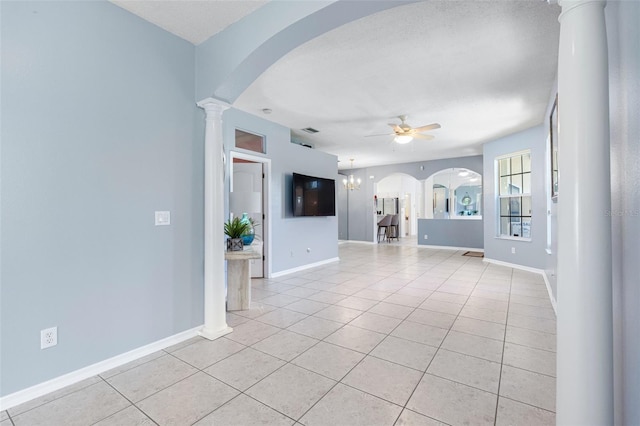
(528, 240)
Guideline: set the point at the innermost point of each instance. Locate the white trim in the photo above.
(510, 238)
(357, 242)
(417, 245)
(76, 376)
(513, 154)
(551, 298)
(266, 196)
(451, 248)
(514, 266)
(304, 267)
(529, 269)
(214, 334)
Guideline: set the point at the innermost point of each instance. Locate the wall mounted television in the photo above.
(313, 196)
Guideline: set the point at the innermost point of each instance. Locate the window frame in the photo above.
(512, 196)
(250, 133)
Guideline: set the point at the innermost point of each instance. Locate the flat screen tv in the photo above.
(313, 196)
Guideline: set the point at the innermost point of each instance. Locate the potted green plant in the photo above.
(235, 229)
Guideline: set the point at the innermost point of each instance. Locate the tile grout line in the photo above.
(504, 344)
(411, 276)
(356, 365)
(436, 352)
(130, 401)
(346, 374)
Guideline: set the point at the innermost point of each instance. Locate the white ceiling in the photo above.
(192, 20)
(482, 69)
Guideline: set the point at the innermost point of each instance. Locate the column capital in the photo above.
(569, 5)
(213, 105)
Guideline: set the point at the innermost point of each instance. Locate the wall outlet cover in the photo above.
(48, 337)
(163, 218)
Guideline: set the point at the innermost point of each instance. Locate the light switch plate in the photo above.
(163, 218)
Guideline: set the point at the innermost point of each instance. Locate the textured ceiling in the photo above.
(482, 69)
(192, 20)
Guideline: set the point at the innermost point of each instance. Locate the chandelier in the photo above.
(351, 182)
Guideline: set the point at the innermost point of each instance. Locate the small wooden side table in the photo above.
(239, 278)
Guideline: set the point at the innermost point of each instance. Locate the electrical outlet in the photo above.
(513, 250)
(48, 337)
(426, 237)
(163, 218)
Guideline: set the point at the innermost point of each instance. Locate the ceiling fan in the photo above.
(404, 133)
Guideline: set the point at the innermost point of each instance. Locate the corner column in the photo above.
(215, 323)
(585, 320)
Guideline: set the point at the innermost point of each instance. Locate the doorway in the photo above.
(403, 190)
(250, 173)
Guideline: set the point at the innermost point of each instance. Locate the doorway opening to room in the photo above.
(249, 180)
(400, 193)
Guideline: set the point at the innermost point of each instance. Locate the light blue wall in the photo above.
(528, 253)
(361, 203)
(289, 234)
(623, 33)
(464, 233)
(342, 208)
(99, 130)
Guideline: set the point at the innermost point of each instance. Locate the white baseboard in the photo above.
(357, 242)
(304, 267)
(481, 250)
(529, 269)
(60, 382)
(553, 299)
(514, 265)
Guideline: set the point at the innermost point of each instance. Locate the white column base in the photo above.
(211, 334)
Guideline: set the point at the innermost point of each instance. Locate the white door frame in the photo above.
(266, 205)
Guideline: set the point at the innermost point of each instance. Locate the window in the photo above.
(249, 141)
(514, 177)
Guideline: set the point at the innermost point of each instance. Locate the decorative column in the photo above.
(585, 321)
(215, 323)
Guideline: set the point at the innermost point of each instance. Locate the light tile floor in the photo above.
(390, 335)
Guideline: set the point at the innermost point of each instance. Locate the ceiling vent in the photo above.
(301, 142)
(310, 130)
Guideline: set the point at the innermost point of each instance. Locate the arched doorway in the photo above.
(403, 194)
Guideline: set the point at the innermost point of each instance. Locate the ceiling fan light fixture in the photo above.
(402, 139)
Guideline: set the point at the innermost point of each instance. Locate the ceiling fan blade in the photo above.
(427, 127)
(381, 134)
(421, 136)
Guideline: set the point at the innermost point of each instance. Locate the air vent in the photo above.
(310, 130)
